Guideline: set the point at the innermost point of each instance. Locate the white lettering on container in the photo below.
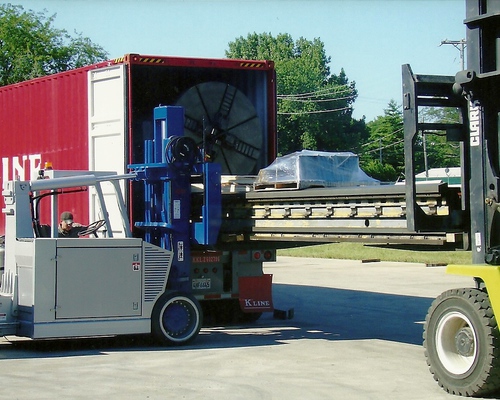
(24, 167)
(249, 303)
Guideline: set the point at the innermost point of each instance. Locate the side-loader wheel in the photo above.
(461, 342)
(176, 318)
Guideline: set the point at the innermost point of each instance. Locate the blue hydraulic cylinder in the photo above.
(168, 122)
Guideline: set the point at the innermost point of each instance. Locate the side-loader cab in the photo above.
(92, 285)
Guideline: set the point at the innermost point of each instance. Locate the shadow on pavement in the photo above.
(319, 314)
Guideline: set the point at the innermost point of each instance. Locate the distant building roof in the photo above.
(452, 175)
(452, 172)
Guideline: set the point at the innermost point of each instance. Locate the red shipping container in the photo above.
(98, 117)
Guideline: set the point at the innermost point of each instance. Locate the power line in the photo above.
(317, 93)
(382, 137)
(315, 97)
(317, 100)
(384, 147)
(314, 112)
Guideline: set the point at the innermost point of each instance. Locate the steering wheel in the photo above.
(92, 228)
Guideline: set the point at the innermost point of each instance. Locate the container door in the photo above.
(107, 117)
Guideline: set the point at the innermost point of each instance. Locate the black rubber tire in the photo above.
(176, 318)
(461, 343)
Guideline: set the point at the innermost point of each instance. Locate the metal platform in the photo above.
(372, 214)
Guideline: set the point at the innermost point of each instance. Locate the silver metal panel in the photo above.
(93, 243)
(25, 274)
(98, 282)
(92, 327)
(45, 280)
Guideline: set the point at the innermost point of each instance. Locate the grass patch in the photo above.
(358, 251)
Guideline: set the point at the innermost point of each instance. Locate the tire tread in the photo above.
(489, 379)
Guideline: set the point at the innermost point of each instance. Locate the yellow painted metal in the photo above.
(490, 274)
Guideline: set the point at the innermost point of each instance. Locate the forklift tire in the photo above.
(461, 343)
(176, 318)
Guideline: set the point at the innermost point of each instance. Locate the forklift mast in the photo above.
(431, 91)
(475, 93)
(480, 84)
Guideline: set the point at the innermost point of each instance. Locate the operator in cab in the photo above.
(69, 228)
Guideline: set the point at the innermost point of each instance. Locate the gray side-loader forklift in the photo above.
(92, 285)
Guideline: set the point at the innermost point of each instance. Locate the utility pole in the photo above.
(426, 165)
(460, 45)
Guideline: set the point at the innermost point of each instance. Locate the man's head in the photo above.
(66, 221)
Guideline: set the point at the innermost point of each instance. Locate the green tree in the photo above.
(382, 156)
(314, 106)
(377, 170)
(438, 151)
(30, 46)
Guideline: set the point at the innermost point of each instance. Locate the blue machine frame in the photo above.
(171, 160)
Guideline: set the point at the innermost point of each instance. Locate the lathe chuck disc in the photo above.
(223, 121)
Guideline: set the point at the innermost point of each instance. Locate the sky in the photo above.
(369, 39)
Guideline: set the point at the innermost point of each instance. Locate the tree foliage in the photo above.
(30, 46)
(382, 171)
(314, 106)
(382, 156)
(434, 149)
(315, 110)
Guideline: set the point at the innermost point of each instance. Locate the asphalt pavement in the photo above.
(356, 333)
